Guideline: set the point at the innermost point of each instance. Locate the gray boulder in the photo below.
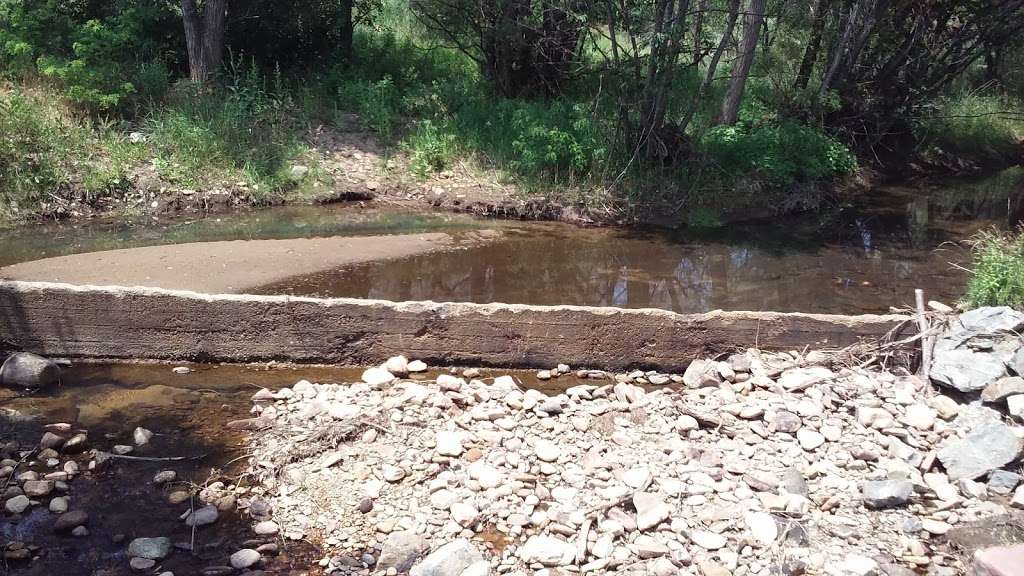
(960, 361)
(988, 447)
(26, 370)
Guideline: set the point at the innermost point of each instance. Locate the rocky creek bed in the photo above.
(752, 463)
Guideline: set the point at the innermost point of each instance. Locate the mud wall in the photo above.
(145, 323)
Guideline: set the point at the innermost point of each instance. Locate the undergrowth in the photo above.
(997, 274)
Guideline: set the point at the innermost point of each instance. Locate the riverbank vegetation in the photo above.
(997, 274)
(683, 108)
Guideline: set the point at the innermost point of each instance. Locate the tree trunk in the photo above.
(813, 45)
(752, 21)
(204, 37)
(347, 30)
(709, 76)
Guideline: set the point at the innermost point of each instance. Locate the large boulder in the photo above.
(986, 448)
(27, 370)
(977, 348)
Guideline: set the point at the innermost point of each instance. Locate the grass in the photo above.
(997, 277)
(52, 161)
(975, 126)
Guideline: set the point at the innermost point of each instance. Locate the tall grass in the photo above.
(997, 275)
(976, 126)
(52, 162)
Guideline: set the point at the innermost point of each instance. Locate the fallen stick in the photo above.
(101, 456)
(922, 325)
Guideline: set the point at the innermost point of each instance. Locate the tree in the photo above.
(753, 19)
(204, 37)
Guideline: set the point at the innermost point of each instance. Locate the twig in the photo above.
(100, 455)
(922, 324)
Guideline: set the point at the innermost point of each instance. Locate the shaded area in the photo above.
(188, 414)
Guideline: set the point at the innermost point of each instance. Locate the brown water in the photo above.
(866, 257)
(188, 414)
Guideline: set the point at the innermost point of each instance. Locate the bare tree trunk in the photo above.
(347, 30)
(204, 37)
(813, 45)
(752, 21)
(709, 76)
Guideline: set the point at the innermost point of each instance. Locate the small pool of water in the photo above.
(862, 258)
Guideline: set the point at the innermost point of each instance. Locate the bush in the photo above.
(997, 277)
(49, 160)
(248, 129)
(783, 151)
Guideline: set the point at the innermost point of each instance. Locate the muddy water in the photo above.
(866, 257)
(188, 414)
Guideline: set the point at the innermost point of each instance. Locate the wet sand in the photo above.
(232, 266)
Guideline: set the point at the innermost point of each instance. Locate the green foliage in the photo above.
(997, 278)
(49, 162)
(783, 151)
(431, 150)
(248, 129)
(975, 126)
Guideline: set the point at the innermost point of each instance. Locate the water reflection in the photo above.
(615, 268)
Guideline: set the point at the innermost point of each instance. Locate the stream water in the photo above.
(861, 258)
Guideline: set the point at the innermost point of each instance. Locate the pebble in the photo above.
(70, 520)
(59, 505)
(141, 436)
(266, 528)
(708, 540)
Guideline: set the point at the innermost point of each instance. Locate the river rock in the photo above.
(1002, 388)
(1002, 482)
(547, 550)
(50, 441)
(708, 540)
(75, 444)
(266, 528)
(244, 558)
(449, 443)
(141, 436)
(651, 510)
(37, 488)
(401, 550)
(880, 494)
(142, 564)
(417, 366)
(165, 476)
(397, 365)
(809, 439)
(59, 505)
(152, 548)
(1015, 406)
(17, 504)
(547, 451)
(27, 370)
(795, 379)
(202, 517)
(70, 520)
(452, 558)
(957, 365)
(378, 376)
(701, 373)
(763, 527)
(990, 446)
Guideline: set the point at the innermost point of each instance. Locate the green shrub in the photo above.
(247, 130)
(997, 275)
(49, 160)
(431, 149)
(783, 151)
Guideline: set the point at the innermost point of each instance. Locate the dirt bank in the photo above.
(230, 266)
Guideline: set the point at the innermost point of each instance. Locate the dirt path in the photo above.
(230, 266)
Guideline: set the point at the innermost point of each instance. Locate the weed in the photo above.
(997, 276)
